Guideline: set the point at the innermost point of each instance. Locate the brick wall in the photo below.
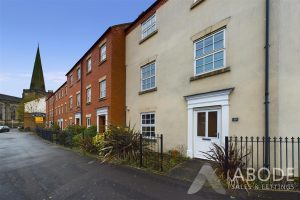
(112, 70)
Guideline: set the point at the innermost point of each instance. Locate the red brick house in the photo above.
(56, 107)
(94, 93)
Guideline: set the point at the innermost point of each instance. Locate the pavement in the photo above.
(187, 170)
(31, 168)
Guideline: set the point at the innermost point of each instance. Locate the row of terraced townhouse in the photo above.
(192, 70)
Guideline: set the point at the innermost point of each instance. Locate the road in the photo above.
(31, 168)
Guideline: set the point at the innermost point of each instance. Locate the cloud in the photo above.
(4, 77)
(55, 77)
(24, 75)
(13, 84)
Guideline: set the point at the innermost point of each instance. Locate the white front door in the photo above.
(60, 123)
(207, 129)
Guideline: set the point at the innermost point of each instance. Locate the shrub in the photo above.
(75, 129)
(55, 127)
(98, 142)
(174, 153)
(90, 132)
(65, 138)
(120, 143)
(235, 159)
(76, 139)
(86, 144)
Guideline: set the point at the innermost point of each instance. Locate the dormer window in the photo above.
(149, 26)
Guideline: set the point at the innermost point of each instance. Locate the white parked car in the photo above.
(4, 129)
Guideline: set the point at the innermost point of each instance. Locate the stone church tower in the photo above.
(37, 85)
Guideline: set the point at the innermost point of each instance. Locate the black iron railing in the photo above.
(282, 153)
(56, 136)
(151, 151)
(148, 151)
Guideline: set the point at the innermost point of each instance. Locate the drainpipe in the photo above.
(81, 95)
(267, 93)
(53, 107)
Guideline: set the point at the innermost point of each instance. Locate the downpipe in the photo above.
(267, 92)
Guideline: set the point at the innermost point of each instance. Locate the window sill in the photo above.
(101, 62)
(148, 91)
(89, 103)
(89, 72)
(77, 80)
(102, 99)
(212, 73)
(148, 36)
(150, 138)
(196, 3)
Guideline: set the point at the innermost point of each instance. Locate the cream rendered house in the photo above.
(195, 71)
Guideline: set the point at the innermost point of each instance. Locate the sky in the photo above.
(64, 30)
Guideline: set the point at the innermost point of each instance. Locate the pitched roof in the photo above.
(37, 79)
(10, 98)
(151, 8)
(99, 39)
(51, 94)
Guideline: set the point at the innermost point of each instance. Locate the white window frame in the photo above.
(71, 101)
(102, 86)
(88, 121)
(78, 73)
(145, 28)
(212, 52)
(71, 79)
(78, 100)
(88, 95)
(207, 111)
(147, 125)
(142, 79)
(89, 65)
(103, 52)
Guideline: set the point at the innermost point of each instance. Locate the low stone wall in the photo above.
(11, 123)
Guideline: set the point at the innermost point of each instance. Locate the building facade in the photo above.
(196, 77)
(199, 75)
(8, 110)
(35, 113)
(94, 93)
